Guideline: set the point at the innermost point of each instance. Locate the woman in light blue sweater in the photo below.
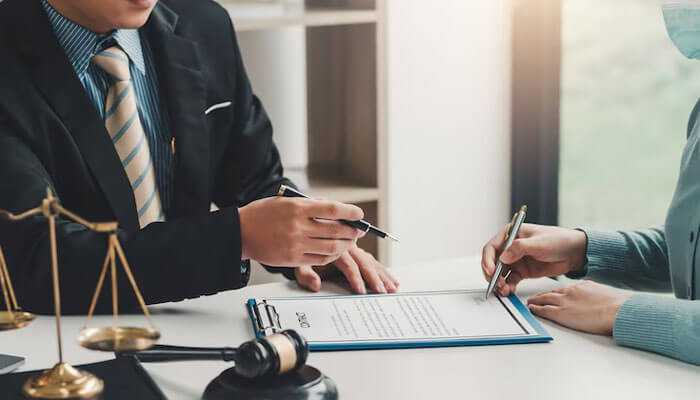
(658, 259)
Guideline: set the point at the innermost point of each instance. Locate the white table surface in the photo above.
(573, 366)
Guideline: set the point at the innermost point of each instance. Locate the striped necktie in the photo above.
(127, 134)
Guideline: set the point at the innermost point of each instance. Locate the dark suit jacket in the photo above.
(50, 135)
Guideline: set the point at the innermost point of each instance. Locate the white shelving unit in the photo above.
(346, 96)
(310, 18)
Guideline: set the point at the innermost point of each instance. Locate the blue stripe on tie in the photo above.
(117, 101)
(135, 184)
(133, 152)
(124, 128)
(148, 203)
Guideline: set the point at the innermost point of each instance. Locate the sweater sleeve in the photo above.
(664, 325)
(635, 260)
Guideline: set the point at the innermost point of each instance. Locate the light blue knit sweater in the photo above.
(638, 260)
(659, 259)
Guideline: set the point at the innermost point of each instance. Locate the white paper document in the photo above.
(416, 318)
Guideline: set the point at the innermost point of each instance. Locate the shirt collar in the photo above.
(80, 44)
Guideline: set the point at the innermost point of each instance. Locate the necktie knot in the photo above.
(114, 62)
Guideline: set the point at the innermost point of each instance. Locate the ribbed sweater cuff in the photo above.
(646, 322)
(605, 251)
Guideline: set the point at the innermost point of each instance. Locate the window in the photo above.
(626, 94)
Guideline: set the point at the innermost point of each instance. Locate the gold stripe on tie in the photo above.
(126, 132)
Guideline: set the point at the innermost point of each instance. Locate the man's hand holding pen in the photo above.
(306, 234)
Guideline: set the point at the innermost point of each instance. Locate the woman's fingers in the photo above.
(517, 250)
(308, 278)
(490, 250)
(518, 272)
(506, 286)
(549, 312)
(488, 261)
(349, 268)
(549, 298)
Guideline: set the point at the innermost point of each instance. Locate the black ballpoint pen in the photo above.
(286, 191)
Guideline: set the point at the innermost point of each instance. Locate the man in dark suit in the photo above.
(141, 112)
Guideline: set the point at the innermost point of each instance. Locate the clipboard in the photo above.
(414, 319)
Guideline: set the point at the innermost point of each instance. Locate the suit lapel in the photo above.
(56, 79)
(183, 91)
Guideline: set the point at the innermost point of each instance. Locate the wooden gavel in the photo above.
(272, 355)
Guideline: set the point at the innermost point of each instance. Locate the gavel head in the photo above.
(272, 355)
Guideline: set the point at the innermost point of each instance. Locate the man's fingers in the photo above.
(368, 269)
(327, 229)
(347, 265)
(334, 210)
(308, 278)
(327, 247)
(315, 259)
(390, 283)
(549, 312)
(543, 299)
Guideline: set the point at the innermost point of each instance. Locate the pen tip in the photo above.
(392, 237)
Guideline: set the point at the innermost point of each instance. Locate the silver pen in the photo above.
(511, 235)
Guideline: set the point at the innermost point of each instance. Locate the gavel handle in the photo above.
(166, 353)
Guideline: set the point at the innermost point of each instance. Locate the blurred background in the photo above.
(440, 117)
(626, 94)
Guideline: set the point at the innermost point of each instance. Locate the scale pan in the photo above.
(118, 339)
(15, 320)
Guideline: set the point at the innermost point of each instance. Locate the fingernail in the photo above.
(361, 289)
(390, 287)
(381, 288)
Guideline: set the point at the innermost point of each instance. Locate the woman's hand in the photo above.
(538, 251)
(586, 306)
(359, 268)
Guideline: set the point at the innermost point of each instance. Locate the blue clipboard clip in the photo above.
(265, 318)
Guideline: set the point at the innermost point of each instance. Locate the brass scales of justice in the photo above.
(64, 381)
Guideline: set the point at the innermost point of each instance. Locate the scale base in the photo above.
(306, 383)
(15, 319)
(63, 381)
(120, 339)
